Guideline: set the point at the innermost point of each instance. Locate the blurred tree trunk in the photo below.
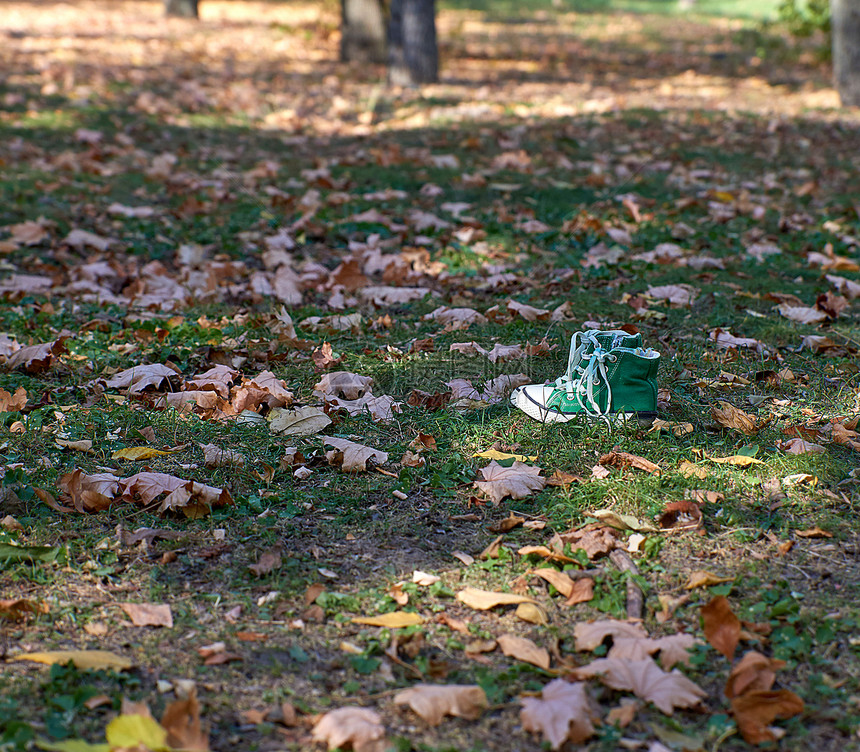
(362, 31)
(181, 8)
(413, 51)
(846, 49)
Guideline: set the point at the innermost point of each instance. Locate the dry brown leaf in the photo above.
(433, 702)
(617, 458)
(647, 681)
(90, 493)
(678, 296)
(588, 635)
(564, 712)
(524, 650)
(802, 314)
(559, 580)
(545, 553)
(193, 499)
(81, 445)
(391, 620)
(139, 378)
(10, 403)
(148, 614)
(527, 312)
(302, 421)
(800, 446)
(754, 711)
(36, 358)
(594, 538)
(215, 456)
(18, 609)
(583, 591)
(482, 600)
(517, 481)
(739, 460)
(623, 714)
(684, 515)
(360, 727)
(532, 613)
(722, 627)
(729, 416)
(813, 532)
(703, 578)
(691, 470)
(268, 562)
(181, 721)
(353, 457)
(752, 673)
(349, 386)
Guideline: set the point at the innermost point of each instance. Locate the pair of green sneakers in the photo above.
(609, 375)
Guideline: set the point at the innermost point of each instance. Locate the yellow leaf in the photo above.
(135, 731)
(495, 454)
(703, 578)
(137, 453)
(691, 470)
(83, 659)
(741, 460)
(485, 599)
(392, 620)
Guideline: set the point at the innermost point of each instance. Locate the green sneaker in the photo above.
(600, 382)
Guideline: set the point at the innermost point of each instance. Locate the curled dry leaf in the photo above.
(800, 446)
(18, 609)
(10, 403)
(36, 358)
(677, 296)
(532, 613)
(517, 481)
(349, 386)
(524, 650)
(617, 458)
(360, 727)
(754, 712)
(583, 591)
(148, 614)
(433, 702)
(391, 620)
(181, 721)
(729, 416)
(684, 515)
(139, 378)
(353, 457)
(704, 578)
(215, 456)
(482, 600)
(564, 712)
(722, 627)
(268, 562)
(647, 681)
(588, 635)
(527, 312)
(802, 314)
(559, 580)
(752, 673)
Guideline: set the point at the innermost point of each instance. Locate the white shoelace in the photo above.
(591, 376)
(578, 344)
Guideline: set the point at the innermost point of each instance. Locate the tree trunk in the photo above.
(181, 8)
(413, 52)
(846, 49)
(362, 28)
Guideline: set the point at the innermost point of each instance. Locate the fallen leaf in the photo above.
(583, 591)
(495, 454)
(349, 386)
(622, 715)
(302, 421)
(138, 453)
(18, 609)
(703, 578)
(82, 445)
(681, 515)
(517, 481)
(729, 416)
(215, 456)
(752, 673)
(588, 635)
(617, 458)
(647, 681)
(622, 521)
(181, 721)
(545, 553)
(531, 613)
(524, 650)
(559, 580)
(360, 727)
(434, 702)
(10, 403)
(564, 712)
(755, 711)
(148, 614)
(740, 460)
(86, 660)
(690, 470)
(802, 314)
(800, 446)
(722, 627)
(268, 562)
(352, 457)
(678, 296)
(813, 532)
(391, 620)
(424, 579)
(482, 600)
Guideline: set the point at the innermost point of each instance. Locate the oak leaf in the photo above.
(434, 702)
(564, 712)
(517, 481)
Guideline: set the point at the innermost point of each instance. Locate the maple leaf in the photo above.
(349, 386)
(360, 727)
(353, 457)
(595, 539)
(501, 353)
(268, 562)
(564, 712)
(36, 358)
(432, 702)
(517, 481)
(588, 635)
(138, 378)
(218, 379)
(647, 681)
